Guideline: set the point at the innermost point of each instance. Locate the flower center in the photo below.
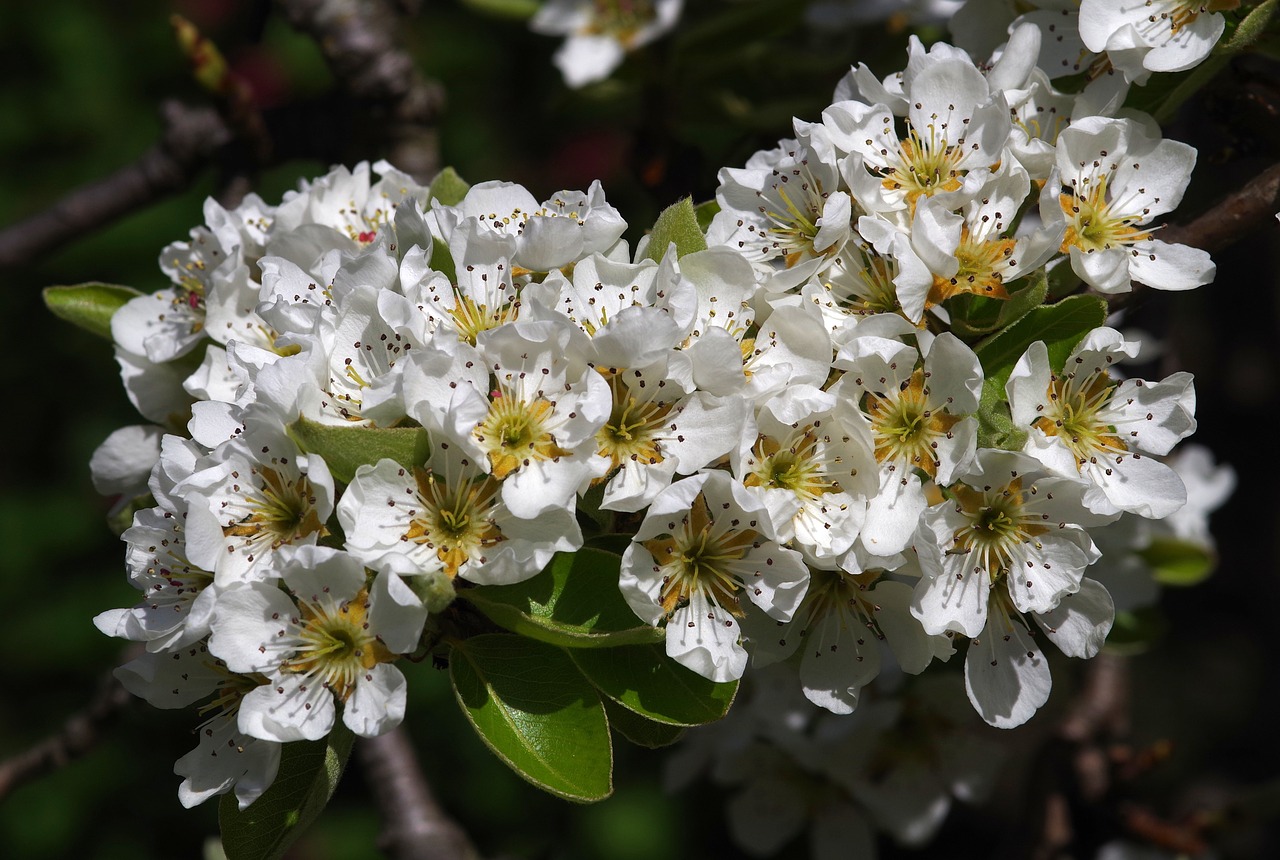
(903, 427)
(1093, 225)
(516, 432)
(795, 464)
(998, 524)
(924, 166)
(455, 521)
(471, 317)
(981, 272)
(700, 556)
(632, 427)
(795, 221)
(335, 645)
(280, 512)
(621, 19)
(1072, 415)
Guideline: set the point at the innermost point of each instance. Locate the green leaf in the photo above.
(638, 730)
(536, 712)
(1061, 326)
(516, 9)
(973, 317)
(678, 223)
(448, 188)
(645, 681)
(704, 212)
(995, 422)
(1177, 562)
(89, 306)
(309, 773)
(344, 449)
(574, 602)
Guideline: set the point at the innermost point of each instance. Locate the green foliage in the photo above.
(974, 317)
(89, 306)
(678, 223)
(536, 713)
(448, 188)
(1136, 631)
(1178, 562)
(345, 449)
(574, 603)
(640, 731)
(309, 773)
(645, 681)
(517, 9)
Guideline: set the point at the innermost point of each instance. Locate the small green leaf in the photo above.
(678, 223)
(344, 449)
(973, 317)
(638, 730)
(448, 188)
(995, 422)
(574, 603)
(89, 306)
(309, 773)
(536, 712)
(1177, 562)
(704, 212)
(519, 10)
(1061, 326)
(645, 681)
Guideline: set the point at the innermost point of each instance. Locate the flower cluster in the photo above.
(817, 424)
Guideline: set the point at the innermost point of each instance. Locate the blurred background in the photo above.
(82, 87)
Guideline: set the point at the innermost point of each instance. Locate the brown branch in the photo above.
(414, 826)
(80, 734)
(1233, 218)
(191, 136)
(360, 42)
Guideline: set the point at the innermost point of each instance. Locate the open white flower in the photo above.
(601, 32)
(328, 640)
(703, 545)
(1145, 36)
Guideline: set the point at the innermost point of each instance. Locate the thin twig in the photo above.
(360, 41)
(191, 136)
(414, 826)
(80, 734)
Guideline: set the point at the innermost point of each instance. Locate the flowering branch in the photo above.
(79, 735)
(414, 825)
(191, 136)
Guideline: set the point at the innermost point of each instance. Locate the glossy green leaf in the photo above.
(644, 680)
(89, 306)
(536, 712)
(345, 449)
(309, 773)
(678, 223)
(574, 602)
(448, 188)
(1061, 326)
(638, 730)
(1178, 562)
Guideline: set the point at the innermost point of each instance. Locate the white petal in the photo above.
(1080, 623)
(1005, 674)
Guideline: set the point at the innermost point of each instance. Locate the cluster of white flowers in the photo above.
(783, 422)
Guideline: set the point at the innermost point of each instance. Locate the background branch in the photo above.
(80, 734)
(414, 826)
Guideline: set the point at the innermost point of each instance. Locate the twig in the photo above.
(414, 826)
(191, 136)
(80, 734)
(359, 41)
(1233, 218)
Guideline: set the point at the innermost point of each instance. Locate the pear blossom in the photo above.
(601, 32)
(703, 545)
(1144, 36)
(330, 639)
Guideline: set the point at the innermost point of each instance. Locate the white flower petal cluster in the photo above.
(600, 33)
(789, 429)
